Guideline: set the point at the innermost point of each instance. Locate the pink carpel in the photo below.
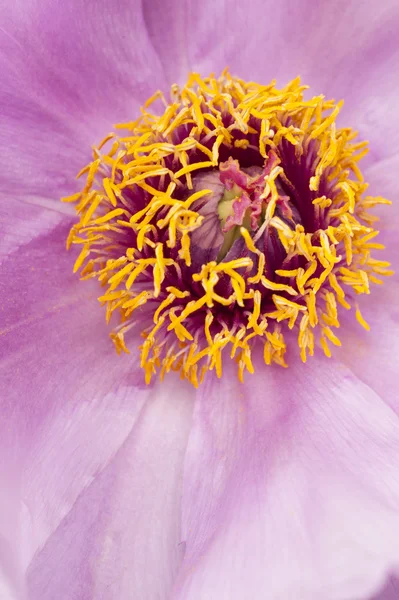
(251, 187)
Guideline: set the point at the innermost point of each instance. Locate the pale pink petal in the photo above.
(68, 402)
(20, 222)
(291, 487)
(372, 355)
(69, 71)
(264, 39)
(90, 449)
(381, 177)
(11, 586)
(170, 28)
(390, 591)
(121, 539)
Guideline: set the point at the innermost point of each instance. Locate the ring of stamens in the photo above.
(138, 214)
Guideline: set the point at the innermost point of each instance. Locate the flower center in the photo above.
(234, 214)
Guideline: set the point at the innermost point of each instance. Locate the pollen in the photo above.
(232, 216)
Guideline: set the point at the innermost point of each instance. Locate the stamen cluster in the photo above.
(300, 234)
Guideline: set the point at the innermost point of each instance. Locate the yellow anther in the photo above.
(121, 274)
(325, 347)
(181, 332)
(277, 287)
(304, 276)
(361, 320)
(331, 318)
(215, 149)
(193, 167)
(317, 131)
(241, 144)
(82, 257)
(109, 190)
(131, 305)
(322, 202)
(349, 193)
(73, 198)
(288, 272)
(253, 320)
(248, 240)
(331, 336)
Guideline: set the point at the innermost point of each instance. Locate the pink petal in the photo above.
(121, 539)
(390, 591)
(290, 487)
(70, 70)
(170, 27)
(274, 39)
(381, 176)
(93, 457)
(372, 355)
(68, 402)
(20, 222)
(11, 586)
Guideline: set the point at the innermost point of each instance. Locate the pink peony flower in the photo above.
(284, 486)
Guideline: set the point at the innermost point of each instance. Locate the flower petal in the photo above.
(68, 402)
(372, 355)
(390, 591)
(169, 27)
(22, 222)
(290, 487)
(121, 538)
(11, 586)
(274, 40)
(70, 70)
(382, 182)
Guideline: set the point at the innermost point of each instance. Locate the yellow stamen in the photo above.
(143, 254)
(361, 320)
